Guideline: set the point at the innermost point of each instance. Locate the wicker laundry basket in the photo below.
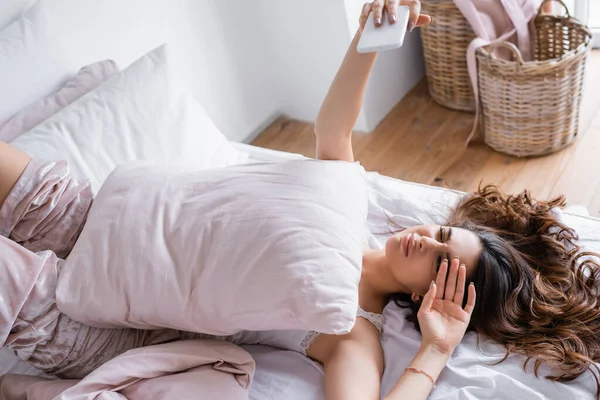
(445, 46)
(532, 108)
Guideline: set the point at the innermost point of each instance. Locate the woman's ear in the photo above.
(416, 298)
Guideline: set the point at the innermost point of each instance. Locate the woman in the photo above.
(522, 271)
(538, 292)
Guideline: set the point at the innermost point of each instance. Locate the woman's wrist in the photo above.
(435, 351)
(431, 359)
(422, 373)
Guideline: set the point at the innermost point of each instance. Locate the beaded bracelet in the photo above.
(420, 371)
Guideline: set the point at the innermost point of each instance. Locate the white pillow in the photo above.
(251, 247)
(31, 64)
(141, 113)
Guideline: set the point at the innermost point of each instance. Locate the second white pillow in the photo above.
(141, 113)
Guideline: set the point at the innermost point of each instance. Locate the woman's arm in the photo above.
(340, 109)
(353, 363)
(443, 323)
(416, 385)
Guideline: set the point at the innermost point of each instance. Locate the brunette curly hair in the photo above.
(538, 293)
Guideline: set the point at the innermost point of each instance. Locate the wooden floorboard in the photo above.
(420, 141)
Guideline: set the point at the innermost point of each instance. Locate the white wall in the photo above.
(308, 40)
(228, 66)
(246, 61)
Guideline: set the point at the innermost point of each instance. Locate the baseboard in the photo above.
(261, 128)
(265, 124)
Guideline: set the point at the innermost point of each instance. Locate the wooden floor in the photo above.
(421, 141)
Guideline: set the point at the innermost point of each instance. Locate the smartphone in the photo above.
(387, 36)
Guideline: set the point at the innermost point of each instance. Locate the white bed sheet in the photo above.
(287, 375)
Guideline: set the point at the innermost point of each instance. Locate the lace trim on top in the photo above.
(376, 319)
(308, 339)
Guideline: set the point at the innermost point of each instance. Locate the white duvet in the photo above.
(287, 375)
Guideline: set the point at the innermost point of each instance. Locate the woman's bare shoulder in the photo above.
(364, 333)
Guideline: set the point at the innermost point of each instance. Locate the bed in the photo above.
(468, 375)
(284, 374)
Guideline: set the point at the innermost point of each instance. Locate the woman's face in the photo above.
(415, 254)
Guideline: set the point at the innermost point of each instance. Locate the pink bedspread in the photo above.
(198, 369)
(43, 215)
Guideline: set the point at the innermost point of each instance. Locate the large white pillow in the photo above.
(31, 63)
(251, 247)
(141, 113)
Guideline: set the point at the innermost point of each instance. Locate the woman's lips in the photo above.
(406, 244)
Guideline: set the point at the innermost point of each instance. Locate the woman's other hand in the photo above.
(381, 9)
(442, 318)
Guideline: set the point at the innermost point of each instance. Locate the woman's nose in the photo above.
(422, 244)
(425, 243)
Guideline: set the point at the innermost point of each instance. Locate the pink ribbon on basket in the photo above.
(492, 22)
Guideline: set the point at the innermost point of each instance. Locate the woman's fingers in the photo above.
(415, 11)
(423, 20)
(451, 282)
(441, 279)
(391, 7)
(470, 300)
(377, 12)
(427, 301)
(459, 295)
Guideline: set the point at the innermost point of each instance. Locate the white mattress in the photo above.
(288, 375)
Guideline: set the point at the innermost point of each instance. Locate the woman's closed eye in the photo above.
(440, 257)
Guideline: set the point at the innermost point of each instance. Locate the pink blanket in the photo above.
(43, 215)
(45, 212)
(198, 369)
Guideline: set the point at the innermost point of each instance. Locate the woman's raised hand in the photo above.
(388, 9)
(442, 318)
